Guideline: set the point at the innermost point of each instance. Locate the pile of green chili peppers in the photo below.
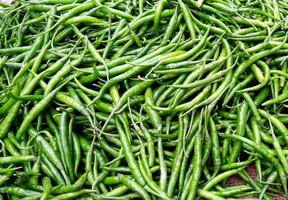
(135, 99)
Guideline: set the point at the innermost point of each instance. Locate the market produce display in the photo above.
(134, 99)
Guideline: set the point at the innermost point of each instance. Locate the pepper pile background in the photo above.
(143, 99)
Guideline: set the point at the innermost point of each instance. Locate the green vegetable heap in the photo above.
(135, 99)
